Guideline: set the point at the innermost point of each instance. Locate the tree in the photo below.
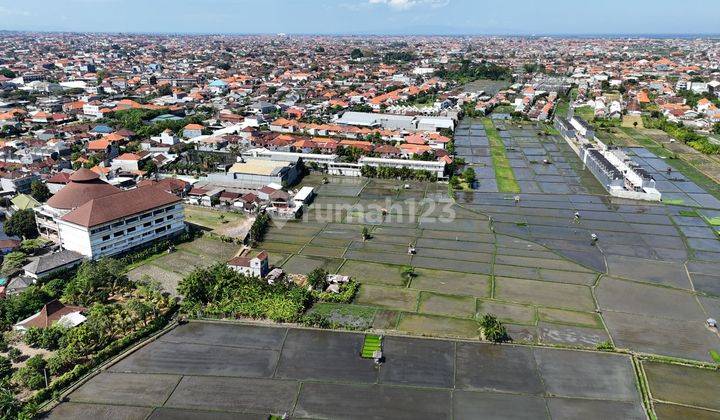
(62, 360)
(150, 167)
(39, 191)
(469, 175)
(13, 262)
(7, 73)
(22, 224)
(365, 233)
(408, 272)
(139, 309)
(317, 278)
(31, 246)
(356, 53)
(95, 281)
(493, 330)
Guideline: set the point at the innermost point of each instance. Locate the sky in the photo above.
(366, 17)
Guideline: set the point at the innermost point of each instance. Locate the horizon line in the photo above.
(371, 34)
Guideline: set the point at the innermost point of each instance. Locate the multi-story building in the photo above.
(95, 219)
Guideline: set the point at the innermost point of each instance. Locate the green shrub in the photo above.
(14, 354)
(346, 295)
(219, 291)
(32, 337)
(63, 360)
(6, 368)
(31, 375)
(606, 346)
(315, 319)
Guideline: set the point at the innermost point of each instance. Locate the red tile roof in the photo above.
(122, 204)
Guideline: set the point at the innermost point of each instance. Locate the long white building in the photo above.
(96, 219)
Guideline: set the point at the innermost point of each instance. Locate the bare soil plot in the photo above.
(683, 384)
(281, 247)
(556, 295)
(438, 326)
(371, 401)
(507, 312)
(672, 411)
(452, 265)
(373, 273)
(200, 359)
(451, 283)
(669, 337)
(585, 319)
(626, 296)
(418, 362)
(651, 271)
(447, 305)
(385, 319)
(70, 410)
(387, 297)
(570, 335)
(473, 405)
(234, 394)
(128, 389)
(322, 251)
(587, 374)
(571, 277)
(487, 367)
(303, 264)
(573, 408)
(309, 354)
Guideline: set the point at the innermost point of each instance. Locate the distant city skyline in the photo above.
(366, 17)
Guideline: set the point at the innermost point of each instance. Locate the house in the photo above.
(129, 162)
(166, 137)
(94, 218)
(304, 196)
(258, 266)
(48, 264)
(56, 182)
(192, 130)
(17, 181)
(53, 312)
(218, 86)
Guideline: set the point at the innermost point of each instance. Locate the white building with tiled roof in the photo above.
(95, 219)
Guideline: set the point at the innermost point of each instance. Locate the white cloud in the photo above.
(409, 4)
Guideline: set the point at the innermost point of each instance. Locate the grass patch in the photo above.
(674, 201)
(688, 213)
(714, 221)
(346, 315)
(503, 172)
(585, 112)
(209, 218)
(715, 356)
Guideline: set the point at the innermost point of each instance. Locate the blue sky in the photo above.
(521, 17)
